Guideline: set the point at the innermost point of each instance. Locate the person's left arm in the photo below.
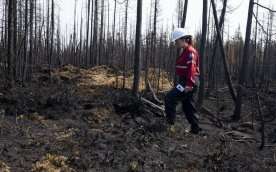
(191, 72)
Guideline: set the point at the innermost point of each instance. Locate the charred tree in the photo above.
(136, 80)
(125, 44)
(183, 22)
(243, 69)
(202, 52)
(11, 36)
(87, 32)
(95, 35)
(226, 70)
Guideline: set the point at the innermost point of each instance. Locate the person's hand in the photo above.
(188, 89)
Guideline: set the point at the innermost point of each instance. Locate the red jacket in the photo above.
(187, 66)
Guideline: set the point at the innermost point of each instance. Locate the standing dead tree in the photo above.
(216, 44)
(101, 46)
(244, 66)
(136, 80)
(95, 35)
(125, 44)
(183, 22)
(11, 36)
(87, 32)
(202, 52)
(253, 69)
(25, 64)
(226, 70)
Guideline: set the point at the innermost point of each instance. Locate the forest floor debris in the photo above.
(78, 121)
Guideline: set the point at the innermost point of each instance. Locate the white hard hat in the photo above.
(177, 34)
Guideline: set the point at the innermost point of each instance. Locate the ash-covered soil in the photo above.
(77, 121)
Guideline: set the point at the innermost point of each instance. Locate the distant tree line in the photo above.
(31, 38)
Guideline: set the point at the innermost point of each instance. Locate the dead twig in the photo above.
(273, 11)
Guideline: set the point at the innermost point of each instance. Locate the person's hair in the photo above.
(188, 39)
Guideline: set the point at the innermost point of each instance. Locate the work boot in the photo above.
(195, 130)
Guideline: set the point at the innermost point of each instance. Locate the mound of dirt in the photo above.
(101, 76)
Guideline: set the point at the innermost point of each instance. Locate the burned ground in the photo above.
(78, 121)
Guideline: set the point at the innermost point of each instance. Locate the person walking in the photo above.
(187, 74)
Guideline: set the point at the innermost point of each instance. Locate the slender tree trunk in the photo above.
(113, 31)
(243, 70)
(10, 39)
(216, 45)
(101, 33)
(136, 81)
(265, 57)
(202, 52)
(25, 42)
(125, 42)
(87, 32)
(52, 34)
(226, 70)
(91, 34)
(95, 37)
(59, 43)
(35, 32)
(47, 39)
(31, 40)
(183, 22)
(80, 61)
(253, 72)
(14, 39)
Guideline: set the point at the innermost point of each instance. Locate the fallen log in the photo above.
(153, 93)
(238, 135)
(202, 109)
(153, 105)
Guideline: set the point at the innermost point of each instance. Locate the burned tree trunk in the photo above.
(11, 35)
(14, 39)
(253, 68)
(243, 69)
(113, 32)
(226, 70)
(136, 81)
(52, 32)
(202, 51)
(91, 34)
(125, 44)
(95, 34)
(212, 65)
(101, 33)
(183, 22)
(87, 32)
(26, 42)
(31, 40)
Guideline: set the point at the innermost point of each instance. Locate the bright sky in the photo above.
(236, 17)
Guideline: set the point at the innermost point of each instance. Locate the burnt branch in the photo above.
(273, 11)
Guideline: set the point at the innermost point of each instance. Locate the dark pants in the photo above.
(171, 100)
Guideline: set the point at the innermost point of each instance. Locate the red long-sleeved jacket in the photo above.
(187, 66)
